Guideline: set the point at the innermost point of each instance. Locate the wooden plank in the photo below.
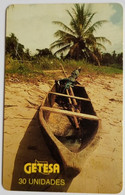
(73, 110)
(74, 97)
(72, 93)
(69, 113)
(74, 100)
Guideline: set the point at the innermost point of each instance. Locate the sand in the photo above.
(23, 141)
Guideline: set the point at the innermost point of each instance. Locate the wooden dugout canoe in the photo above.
(57, 116)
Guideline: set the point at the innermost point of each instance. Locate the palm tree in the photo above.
(78, 38)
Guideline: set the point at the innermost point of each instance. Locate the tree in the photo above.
(44, 52)
(106, 59)
(13, 47)
(78, 38)
(27, 54)
(120, 60)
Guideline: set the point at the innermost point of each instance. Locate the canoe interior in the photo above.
(63, 126)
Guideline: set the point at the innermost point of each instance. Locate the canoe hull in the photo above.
(67, 158)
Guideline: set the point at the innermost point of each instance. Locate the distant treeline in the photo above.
(17, 51)
(112, 59)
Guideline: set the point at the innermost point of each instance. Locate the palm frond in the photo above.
(96, 25)
(80, 17)
(62, 49)
(89, 20)
(73, 23)
(65, 27)
(57, 44)
(100, 46)
(79, 12)
(103, 40)
(66, 37)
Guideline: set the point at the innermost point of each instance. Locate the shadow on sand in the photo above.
(33, 147)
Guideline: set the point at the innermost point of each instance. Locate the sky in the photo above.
(32, 24)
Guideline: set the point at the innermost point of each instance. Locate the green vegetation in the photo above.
(32, 69)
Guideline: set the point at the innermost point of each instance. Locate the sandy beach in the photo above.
(23, 141)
